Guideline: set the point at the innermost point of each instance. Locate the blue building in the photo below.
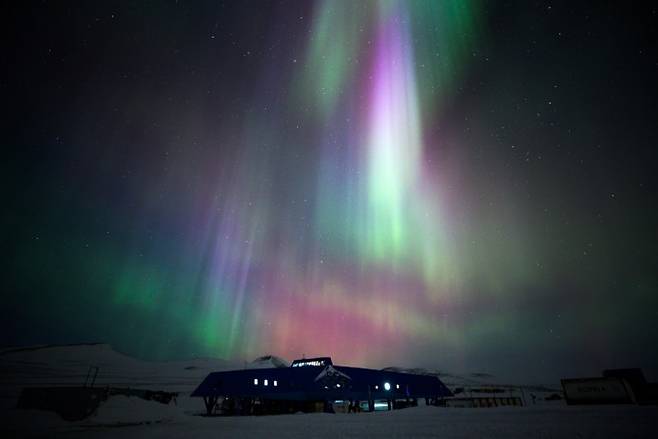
(315, 384)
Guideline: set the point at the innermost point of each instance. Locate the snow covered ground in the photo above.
(529, 422)
(129, 417)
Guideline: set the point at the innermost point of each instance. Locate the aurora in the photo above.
(387, 182)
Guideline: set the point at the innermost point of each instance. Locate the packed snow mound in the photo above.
(268, 361)
(121, 410)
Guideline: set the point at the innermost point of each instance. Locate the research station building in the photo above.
(315, 384)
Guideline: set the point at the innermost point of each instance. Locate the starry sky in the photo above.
(457, 184)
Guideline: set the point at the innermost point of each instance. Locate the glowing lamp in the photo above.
(387, 386)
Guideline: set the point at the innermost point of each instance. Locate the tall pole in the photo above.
(370, 401)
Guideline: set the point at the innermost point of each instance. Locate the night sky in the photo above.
(462, 185)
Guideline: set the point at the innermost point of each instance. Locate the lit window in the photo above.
(265, 382)
(255, 381)
(387, 386)
(275, 383)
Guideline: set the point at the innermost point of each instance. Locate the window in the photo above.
(274, 383)
(255, 381)
(265, 382)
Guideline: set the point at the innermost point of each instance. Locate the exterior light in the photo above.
(275, 383)
(376, 387)
(255, 381)
(338, 385)
(265, 382)
(387, 386)
(397, 386)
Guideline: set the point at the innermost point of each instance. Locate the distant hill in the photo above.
(454, 381)
(68, 365)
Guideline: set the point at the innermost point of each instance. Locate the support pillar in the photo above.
(210, 402)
